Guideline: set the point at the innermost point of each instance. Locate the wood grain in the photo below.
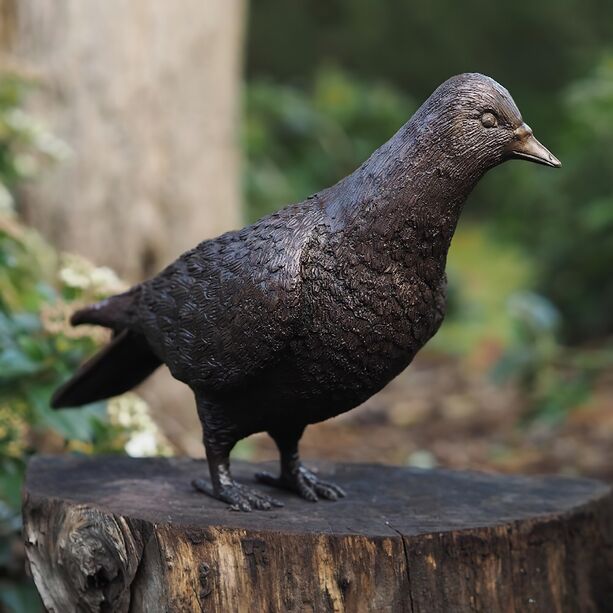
(121, 534)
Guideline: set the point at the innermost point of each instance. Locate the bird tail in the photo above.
(114, 312)
(121, 365)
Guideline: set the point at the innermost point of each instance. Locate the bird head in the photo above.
(484, 123)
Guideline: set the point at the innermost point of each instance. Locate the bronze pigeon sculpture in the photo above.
(310, 311)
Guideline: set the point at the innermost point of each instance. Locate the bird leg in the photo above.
(294, 476)
(223, 487)
(219, 439)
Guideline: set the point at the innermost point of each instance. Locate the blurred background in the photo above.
(131, 131)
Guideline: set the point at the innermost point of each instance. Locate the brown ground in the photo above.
(443, 412)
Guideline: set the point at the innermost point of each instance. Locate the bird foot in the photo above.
(239, 497)
(304, 482)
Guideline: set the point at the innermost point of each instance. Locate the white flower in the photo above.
(104, 280)
(74, 278)
(142, 444)
(80, 273)
(132, 413)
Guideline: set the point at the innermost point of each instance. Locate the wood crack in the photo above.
(406, 561)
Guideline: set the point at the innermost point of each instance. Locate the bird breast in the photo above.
(365, 316)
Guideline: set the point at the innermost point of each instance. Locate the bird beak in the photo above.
(525, 147)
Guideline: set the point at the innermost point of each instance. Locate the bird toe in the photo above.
(325, 491)
(241, 505)
(338, 491)
(239, 497)
(305, 490)
(303, 482)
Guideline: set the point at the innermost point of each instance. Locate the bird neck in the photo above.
(409, 194)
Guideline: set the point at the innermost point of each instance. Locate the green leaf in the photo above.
(70, 424)
(15, 363)
(10, 491)
(19, 597)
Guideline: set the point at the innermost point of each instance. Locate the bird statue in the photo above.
(309, 311)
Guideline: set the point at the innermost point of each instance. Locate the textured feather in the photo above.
(311, 310)
(115, 312)
(122, 364)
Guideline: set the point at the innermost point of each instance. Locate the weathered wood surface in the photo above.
(120, 534)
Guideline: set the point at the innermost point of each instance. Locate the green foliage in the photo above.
(534, 48)
(565, 219)
(39, 288)
(552, 379)
(575, 251)
(37, 348)
(37, 352)
(298, 141)
(483, 274)
(542, 52)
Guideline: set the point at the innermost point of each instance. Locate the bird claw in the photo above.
(239, 497)
(305, 483)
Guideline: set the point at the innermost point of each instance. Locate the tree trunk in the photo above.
(146, 93)
(119, 534)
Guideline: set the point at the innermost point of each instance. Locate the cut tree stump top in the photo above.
(403, 539)
(381, 500)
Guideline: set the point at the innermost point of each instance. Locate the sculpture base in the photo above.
(118, 534)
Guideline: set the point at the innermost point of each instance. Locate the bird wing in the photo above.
(226, 309)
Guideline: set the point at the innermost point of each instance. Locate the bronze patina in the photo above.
(311, 310)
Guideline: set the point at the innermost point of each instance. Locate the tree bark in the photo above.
(119, 534)
(146, 93)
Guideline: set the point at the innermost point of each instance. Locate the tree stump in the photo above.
(120, 534)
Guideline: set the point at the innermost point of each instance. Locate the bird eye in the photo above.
(489, 120)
